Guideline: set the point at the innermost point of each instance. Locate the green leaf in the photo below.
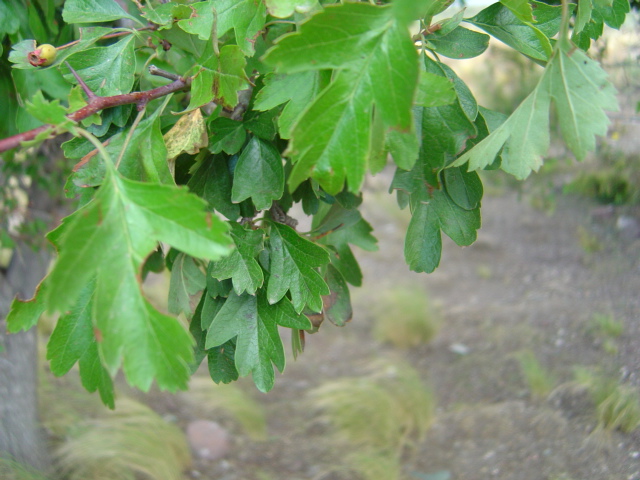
(423, 244)
(574, 77)
(520, 8)
(213, 182)
(332, 39)
(200, 22)
(259, 174)
(293, 263)
(9, 21)
(106, 70)
(109, 239)
(186, 280)
(445, 130)
(219, 78)
(48, 112)
(262, 124)
(94, 376)
(583, 16)
(448, 25)
(500, 22)
(615, 14)
(434, 90)
(242, 265)
(24, 314)
(255, 324)
(19, 54)
(226, 135)
(221, 363)
(464, 188)
(357, 233)
(434, 8)
(198, 334)
(459, 43)
(404, 148)
(91, 11)
(88, 36)
(337, 305)
(73, 334)
(73, 340)
(145, 157)
(548, 17)
(407, 11)
(297, 91)
(354, 38)
(246, 17)
(570, 77)
(286, 8)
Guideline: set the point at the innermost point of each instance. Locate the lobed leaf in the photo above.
(91, 11)
(581, 92)
(354, 38)
(108, 240)
(293, 261)
(254, 322)
(258, 175)
(242, 266)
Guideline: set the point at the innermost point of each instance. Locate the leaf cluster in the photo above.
(291, 104)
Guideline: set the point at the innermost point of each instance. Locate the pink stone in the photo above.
(208, 439)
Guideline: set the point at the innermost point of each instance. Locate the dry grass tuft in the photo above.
(405, 317)
(132, 442)
(383, 412)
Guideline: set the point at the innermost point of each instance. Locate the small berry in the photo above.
(43, 56)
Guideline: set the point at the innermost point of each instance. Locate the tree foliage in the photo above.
(246, 109)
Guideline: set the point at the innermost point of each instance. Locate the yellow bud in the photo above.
(43, 56)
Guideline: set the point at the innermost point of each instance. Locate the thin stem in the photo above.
(214, 33)
(96, 143)
(564, 25)
(127, 140)
(109, 35)
(151, 57)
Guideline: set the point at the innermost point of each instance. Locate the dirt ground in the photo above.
(527, 284)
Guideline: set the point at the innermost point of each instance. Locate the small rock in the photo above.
(628, 226)
(603, 213)
(459, 348)
(208, 439)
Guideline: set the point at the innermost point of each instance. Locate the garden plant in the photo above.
(199, 133)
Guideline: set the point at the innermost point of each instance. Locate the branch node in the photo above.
(153, 70)
(85, 87)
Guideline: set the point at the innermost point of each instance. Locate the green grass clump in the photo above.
(371, 465)
(539, 381)
(606, 326)
(612, 179)
(405, 317)
(384, 412)
(229, 399)
(617, 405)
(131, 443)
(13, 470)
(607, 329)
(589, 242)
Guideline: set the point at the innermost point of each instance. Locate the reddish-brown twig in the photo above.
(97, 104)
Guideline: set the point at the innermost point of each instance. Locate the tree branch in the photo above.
(96, 104)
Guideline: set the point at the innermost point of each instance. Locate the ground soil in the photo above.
(527, 284)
